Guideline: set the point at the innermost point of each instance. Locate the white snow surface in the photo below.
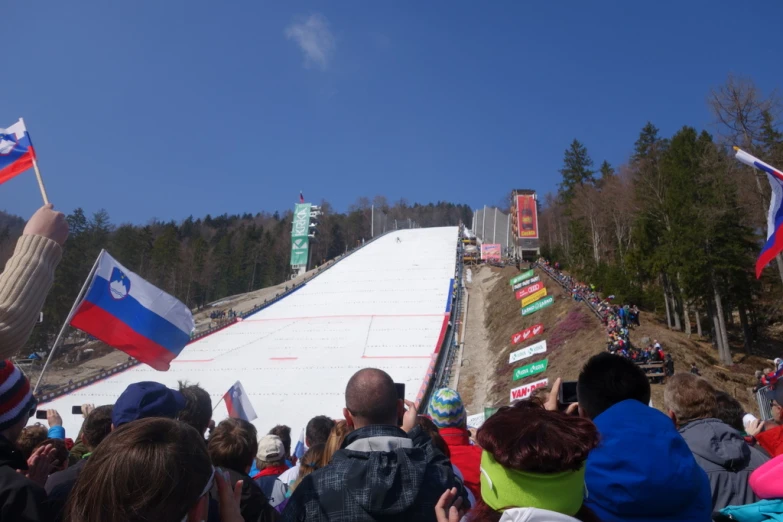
(381, 307)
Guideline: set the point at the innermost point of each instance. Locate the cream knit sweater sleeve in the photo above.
(27, 278)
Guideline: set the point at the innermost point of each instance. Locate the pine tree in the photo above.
(576, 170)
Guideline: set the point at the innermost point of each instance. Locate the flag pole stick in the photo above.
(38, 176)
(68, 320)
(218, 403)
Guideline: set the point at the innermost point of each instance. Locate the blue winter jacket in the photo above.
(643, 471)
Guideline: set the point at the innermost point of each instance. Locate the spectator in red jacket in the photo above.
(448, 414)
(771, 439)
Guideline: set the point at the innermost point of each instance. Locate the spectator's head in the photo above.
(371, 398)
(310, 462)
(758, 374)
(534, 458)
(606, 380)
(30, 438)
(142, 400)
(271, 452)
(688, 397)
(16, 402)
(61, 453)
(446, 409)
(198, 407)
(729, 410)
(151, 469)
(97, 426)
(317, 430)
(335, 440)
(233, 444)
(777, 403)
(284, 434)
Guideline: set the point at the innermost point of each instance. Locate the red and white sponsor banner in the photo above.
(528, 290)
(527, 216)
(523, 284)
(523, 392)
(491, 252)
(527, 333)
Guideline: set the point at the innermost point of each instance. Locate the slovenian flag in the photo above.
(301, 197)
(300, 448)
(238, 403)
(16, 151)
(128, 313)
(774, 244)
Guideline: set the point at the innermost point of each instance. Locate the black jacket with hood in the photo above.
(381, 473)
(21, 500)
(723, 454)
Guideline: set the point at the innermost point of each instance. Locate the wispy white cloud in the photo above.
(315, 39)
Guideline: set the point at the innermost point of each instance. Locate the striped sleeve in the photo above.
(24, 284)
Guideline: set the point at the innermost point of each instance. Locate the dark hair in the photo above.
(233, 444)
(432, 430)
(198, 407)
(730, 411)
(527, 437)
(284, 432)
(31, 437)
(607, 379)
(317, 430)
(61, 453)
(97, 426)
(148, 469)
(371, 396)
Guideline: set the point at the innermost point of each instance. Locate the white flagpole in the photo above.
(68, 320)
(38, 174)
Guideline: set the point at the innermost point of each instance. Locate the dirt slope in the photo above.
(573, 335)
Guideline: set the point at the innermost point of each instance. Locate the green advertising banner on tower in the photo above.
(538, 305)
(299, 234)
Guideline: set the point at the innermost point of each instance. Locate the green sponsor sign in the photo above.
(521, 277)
(530, 369)
(538, 305)
(299, 234)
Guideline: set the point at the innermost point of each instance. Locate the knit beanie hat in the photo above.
(16, 398)
(446, 409)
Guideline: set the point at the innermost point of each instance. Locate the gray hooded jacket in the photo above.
(727, 459)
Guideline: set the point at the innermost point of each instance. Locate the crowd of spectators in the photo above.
(618, 320)
(155, 454)
(222, 314)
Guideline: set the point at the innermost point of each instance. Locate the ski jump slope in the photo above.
(386, 306)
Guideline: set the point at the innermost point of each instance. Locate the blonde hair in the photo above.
(690, 398)
(335, 440)
(310, 462)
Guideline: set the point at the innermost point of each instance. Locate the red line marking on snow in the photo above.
(283, 358)
(396, 356)
(339, 317)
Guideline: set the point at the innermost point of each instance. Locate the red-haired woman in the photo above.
(532, 467)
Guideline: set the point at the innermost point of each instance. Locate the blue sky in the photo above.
(170, 108)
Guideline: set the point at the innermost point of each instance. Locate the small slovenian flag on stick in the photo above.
(16, 151)
(774, 244)
(128, 313)
(238, 403)
(300, 448)
(301, 197)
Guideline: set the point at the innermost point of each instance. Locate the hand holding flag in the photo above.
(774, 244)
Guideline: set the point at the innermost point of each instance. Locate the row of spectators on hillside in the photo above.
(609, 457)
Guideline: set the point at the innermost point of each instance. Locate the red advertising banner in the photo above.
(527, 333)
(527, 216)
(528, 290)
(491, 252)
